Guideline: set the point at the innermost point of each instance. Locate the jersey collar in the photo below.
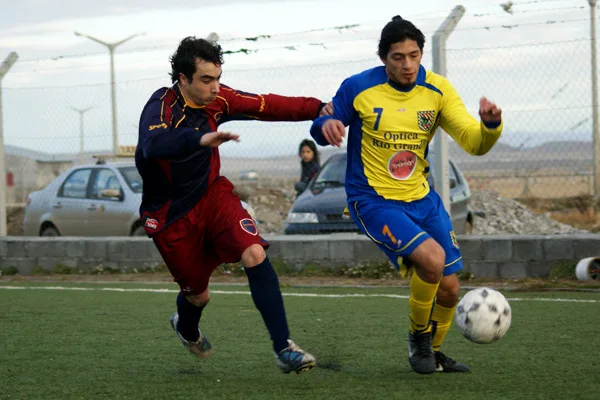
(420, 81)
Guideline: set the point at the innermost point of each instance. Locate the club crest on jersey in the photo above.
(249, 226)
(425, 120)
(150, 223)
(453, 238)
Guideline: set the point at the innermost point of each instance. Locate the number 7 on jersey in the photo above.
(378, 111)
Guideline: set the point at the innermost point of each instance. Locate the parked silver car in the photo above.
(100, 199)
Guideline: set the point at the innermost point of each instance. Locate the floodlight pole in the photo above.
(81, 111)
(113, 96)
(440, 142)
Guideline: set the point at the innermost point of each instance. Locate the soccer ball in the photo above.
(483, 315)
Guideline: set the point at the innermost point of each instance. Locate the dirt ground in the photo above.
(582, 212)
(546, 184)
(271, 201)
(14, 224)
(320, 281)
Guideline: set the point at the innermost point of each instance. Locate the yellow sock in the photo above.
(420, 303)
(441, 319)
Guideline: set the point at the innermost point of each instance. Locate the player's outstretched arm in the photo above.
(489, 112)
(331, 128)
(327, 109)
(270, 107)
(331, 131)
(159, 139)
(475, 137)
(214, 139)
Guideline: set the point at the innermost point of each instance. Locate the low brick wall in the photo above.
(484, 256)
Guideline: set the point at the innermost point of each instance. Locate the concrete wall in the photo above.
(30, 175)
(484, 256)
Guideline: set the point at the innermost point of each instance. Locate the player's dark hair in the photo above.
(184, 59)
(311, 145)
(399, 30)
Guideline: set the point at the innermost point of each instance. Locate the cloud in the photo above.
(493, 62)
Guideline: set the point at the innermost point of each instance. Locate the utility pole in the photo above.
(113, 97)
(81, 136)
(595, 131)
(440, 142)
(4, 67)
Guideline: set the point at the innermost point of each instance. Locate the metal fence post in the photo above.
(4, 67)
(440, 142)
(595, 130)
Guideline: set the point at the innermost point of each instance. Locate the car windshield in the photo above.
(333, 172)
(133, 178)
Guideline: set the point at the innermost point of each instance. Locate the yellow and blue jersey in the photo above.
(390, 129)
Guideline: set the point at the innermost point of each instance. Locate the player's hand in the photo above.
(334, 132)
(214, 139)
(327, 109)
(488, 111)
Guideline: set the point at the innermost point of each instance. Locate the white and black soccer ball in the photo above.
(483, 315)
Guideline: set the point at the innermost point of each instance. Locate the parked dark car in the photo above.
(320, 206)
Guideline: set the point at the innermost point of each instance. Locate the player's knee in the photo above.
(199, 300)
(430, 273)
(448, 293)
(253, 256)
(430, 258)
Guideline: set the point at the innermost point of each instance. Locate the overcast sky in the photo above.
(532, 58)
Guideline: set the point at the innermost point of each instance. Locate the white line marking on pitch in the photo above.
(319, 295)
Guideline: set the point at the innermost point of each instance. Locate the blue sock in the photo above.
(189, 318)
(264, 286)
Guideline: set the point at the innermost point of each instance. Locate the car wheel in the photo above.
(139, 231)
(49, 231)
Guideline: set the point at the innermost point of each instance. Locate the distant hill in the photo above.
(547, 147)
(457, 152)
(560, 147)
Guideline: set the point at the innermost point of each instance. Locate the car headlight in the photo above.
(302, 218)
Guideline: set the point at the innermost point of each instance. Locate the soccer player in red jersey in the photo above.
(190, 211)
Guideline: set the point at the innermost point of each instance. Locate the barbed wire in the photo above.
(547, 22)
(272, 68)
(546, 109)
(153, 48)
(67, 137)
(88, 84)
(529, 11)
(325, 45)
(532, 44)
(339, 28)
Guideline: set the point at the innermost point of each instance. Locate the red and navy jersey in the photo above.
(175, 169)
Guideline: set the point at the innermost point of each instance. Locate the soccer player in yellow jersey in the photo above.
(393, 111)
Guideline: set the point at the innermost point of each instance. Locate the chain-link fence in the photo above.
(546, 149)
(542, 86)
(51, 141)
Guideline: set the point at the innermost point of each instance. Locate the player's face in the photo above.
(204, 87)
(307, 154)
(402, 62)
